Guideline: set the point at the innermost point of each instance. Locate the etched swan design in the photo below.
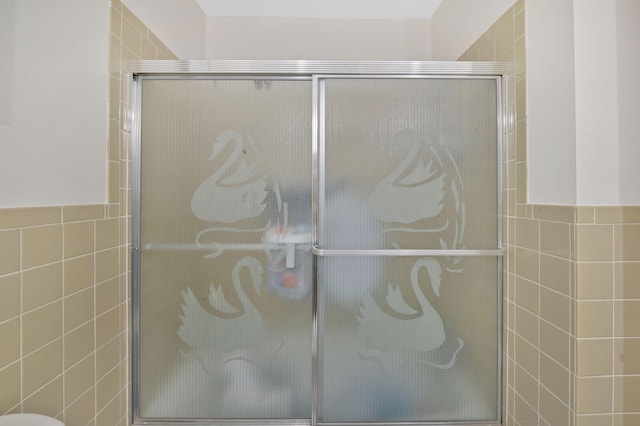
(235, 191)
(408, 329)
(414, 190)
(231, 328)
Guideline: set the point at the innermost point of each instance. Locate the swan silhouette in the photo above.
(235, 191)
(230, 329)
(408, 329)
(414, 190)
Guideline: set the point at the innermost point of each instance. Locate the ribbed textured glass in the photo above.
(413, 161)
(225, 288)
(408, 164)
(408, 339)
(226, 268)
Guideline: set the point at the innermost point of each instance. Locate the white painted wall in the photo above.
(180, 24)
(551, 121)
(596, 87)
(628, 34)
(583, 101)
(322, 39)
(7, 53)
(53, 140)
(457, 24)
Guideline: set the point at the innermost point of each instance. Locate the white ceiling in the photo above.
(390, 9)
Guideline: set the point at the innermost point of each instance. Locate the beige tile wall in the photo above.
(608, 316)
(64, 280)
(572, 284)
(63, 313)
(544, 341)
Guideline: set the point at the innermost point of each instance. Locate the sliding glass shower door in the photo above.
(317, 249)
(225, 264)
(406, 179)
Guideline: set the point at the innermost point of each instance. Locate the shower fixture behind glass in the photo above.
(317, 243)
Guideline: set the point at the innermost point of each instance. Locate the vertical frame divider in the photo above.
(314, 236)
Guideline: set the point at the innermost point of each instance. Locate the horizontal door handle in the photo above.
(407, 252)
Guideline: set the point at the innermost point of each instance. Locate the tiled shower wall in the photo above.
(572, 284)
(64, 279)
(607, 316)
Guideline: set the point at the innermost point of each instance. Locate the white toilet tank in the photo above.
(26, 419)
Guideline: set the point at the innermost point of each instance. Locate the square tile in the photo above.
(594, 243)
(41, 326)
(593, 395)
(41, 285)
(594, 319)
(41, 245)
(594, 280)
(594, 357)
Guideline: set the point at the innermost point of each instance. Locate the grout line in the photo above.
(539, 378)
(95, 321)
(613, 321)
(42, 387)
(62, 322)
(20, 325)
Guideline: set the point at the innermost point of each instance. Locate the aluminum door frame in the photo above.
(137, 71)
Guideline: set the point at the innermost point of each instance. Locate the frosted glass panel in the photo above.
(413, 341)
(226, 294)
(226, 265)
(409, 163)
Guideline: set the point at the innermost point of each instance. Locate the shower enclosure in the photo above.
(317, 242)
